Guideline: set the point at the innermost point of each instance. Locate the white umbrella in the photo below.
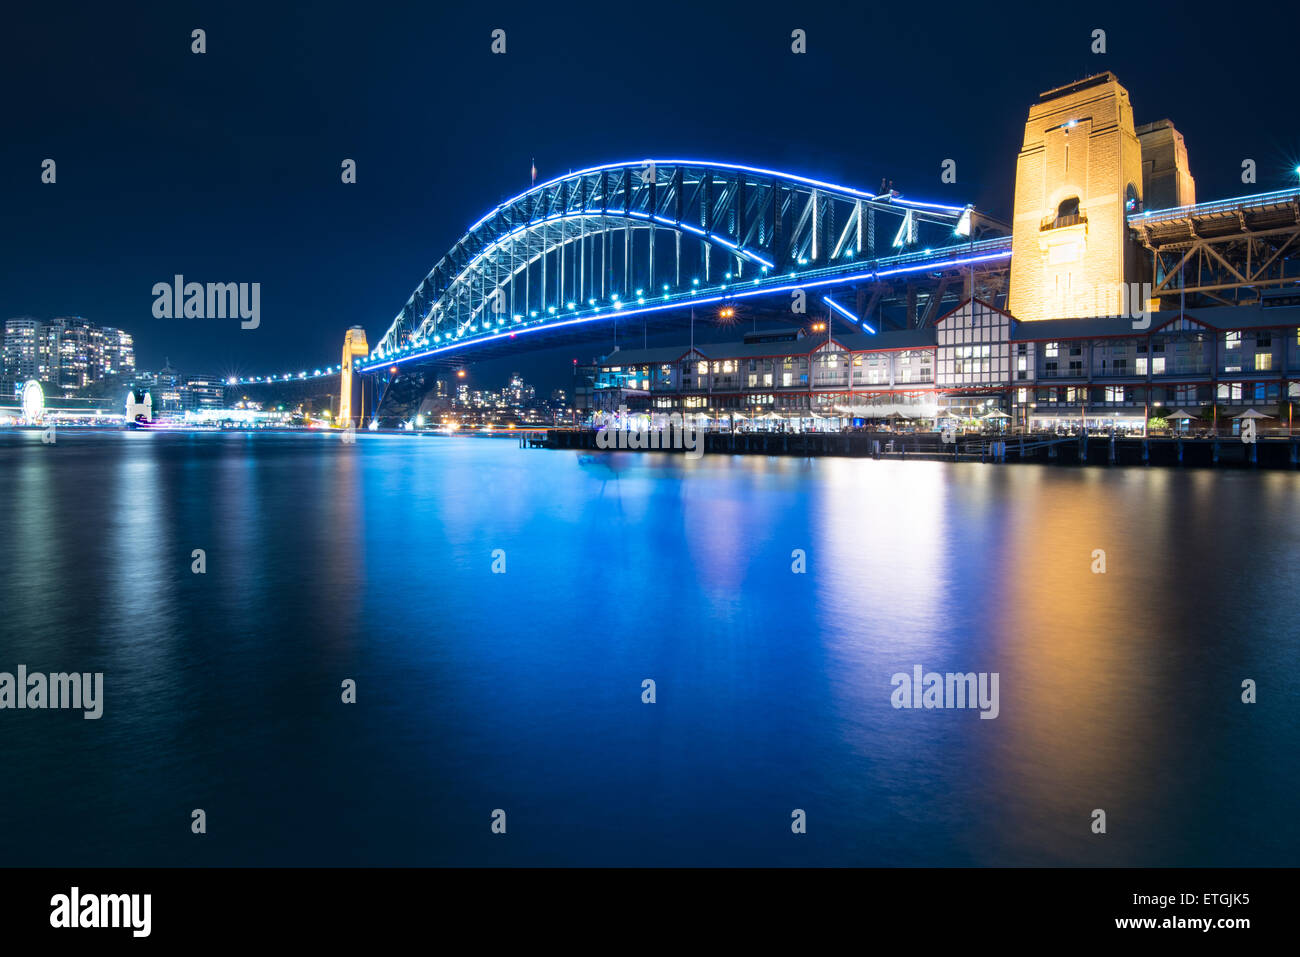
(1252, 414)
(996, 414)
(1182, 414)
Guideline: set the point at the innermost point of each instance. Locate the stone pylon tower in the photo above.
(354, 344)
(1079, 173)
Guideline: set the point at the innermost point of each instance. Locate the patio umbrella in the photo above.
(1252, 414)
(996, 414)
(1182, 414)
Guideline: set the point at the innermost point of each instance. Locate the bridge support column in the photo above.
(354, 344)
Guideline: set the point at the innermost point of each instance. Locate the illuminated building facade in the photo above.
(66, 353)
(974, 360)
(1082, 169)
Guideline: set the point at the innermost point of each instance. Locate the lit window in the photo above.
(1233, 340)
(1263, 361)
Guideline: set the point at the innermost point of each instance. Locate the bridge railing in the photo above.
(1274, 198)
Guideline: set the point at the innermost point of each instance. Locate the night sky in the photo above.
(226, 166)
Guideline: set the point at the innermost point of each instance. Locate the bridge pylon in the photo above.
(354, 344)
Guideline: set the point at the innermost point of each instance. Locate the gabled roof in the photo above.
(638, 357)
(962, 305)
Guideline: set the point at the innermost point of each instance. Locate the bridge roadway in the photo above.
(923, 267)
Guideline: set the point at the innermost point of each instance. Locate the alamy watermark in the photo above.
(656, 431)
(214, 300)
(1124, 300)
(923, 689)
(38, 691)
(76, 909)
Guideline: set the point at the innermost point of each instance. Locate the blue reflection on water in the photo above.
(522, 690)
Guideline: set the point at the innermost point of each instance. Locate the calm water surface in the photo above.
(522, 691)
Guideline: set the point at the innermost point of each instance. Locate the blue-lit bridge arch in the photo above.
(658, 235)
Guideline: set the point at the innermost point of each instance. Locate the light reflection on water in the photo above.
(476, 691)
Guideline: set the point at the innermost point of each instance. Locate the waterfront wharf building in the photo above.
(1101, 372)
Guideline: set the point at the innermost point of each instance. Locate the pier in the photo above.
(1225, 451)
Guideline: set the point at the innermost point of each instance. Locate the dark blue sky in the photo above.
(225, 166)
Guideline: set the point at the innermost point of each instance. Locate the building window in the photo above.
(1263, 361)
(1158, 365)
(1050, 349)
(1067, 214)
(1232, 340)
(1231, 391)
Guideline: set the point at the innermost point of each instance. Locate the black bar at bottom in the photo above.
(338, 906)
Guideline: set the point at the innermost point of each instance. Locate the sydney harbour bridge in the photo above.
(653, 238)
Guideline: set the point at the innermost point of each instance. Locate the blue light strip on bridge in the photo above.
(846, 314)
(709, 164)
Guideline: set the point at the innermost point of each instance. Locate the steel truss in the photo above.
(1226, 252)
(658, 231)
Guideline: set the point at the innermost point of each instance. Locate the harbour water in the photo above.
(521, 689)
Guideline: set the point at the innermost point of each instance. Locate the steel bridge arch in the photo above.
(645, 230)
